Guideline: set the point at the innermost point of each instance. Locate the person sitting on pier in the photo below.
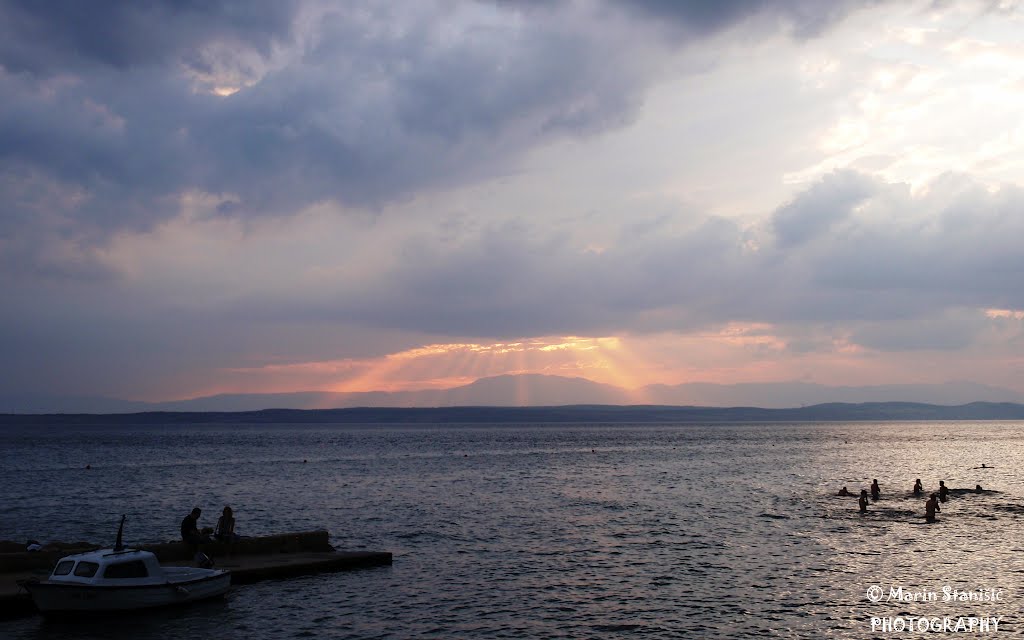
(190, 533)
(225, 531)
(930, 508)
(918, 487)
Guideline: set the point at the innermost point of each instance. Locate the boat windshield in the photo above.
(86, 569)
(63, 567)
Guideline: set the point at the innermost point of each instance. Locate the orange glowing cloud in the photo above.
(434, 366)
(730, 354)
(1010, 314)
(446, 365)
(627, 361)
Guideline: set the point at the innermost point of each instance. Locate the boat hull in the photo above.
(62, 598)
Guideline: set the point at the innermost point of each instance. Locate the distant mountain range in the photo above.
(534, 390)
(573, 414)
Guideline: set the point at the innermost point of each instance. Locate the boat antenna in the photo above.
(119, 546)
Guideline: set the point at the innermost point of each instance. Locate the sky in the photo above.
(290, 195)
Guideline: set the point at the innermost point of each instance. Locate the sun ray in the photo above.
(628, 362)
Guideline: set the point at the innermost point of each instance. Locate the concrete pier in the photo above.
(249, 569)
(249, 560)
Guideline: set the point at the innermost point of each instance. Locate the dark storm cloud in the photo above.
(369, 121)
(806, 18)
(825, 204)
(57, 36)
(702, 17)
(108, 113)
(374, 106)
(900, 260)
(938, 332)
(965, 253)
(932, 259)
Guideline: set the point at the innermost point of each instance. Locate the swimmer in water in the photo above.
(875, 491)
(943, 491)
(930, 508)
(977, 488)
(863, 501)
(845, 492)
(918, 487)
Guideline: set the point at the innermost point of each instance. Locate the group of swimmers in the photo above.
(931, 507)
(875, 492)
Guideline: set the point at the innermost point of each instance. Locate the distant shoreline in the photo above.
(569, 414)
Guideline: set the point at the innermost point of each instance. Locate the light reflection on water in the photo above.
(532, 531)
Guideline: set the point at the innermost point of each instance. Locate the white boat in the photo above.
(121, 579)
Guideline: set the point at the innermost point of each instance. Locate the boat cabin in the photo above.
(108, 567)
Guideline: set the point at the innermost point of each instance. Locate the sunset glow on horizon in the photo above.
(734, 354)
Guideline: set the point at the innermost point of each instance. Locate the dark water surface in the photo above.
(548, 531)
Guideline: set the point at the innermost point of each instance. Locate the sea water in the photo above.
(552, 531)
